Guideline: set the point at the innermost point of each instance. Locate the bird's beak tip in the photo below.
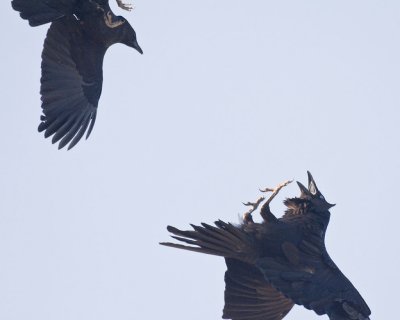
(136, 46)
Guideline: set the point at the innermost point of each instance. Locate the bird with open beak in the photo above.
(278, 263)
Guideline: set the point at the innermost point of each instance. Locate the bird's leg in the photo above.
(265, 211)
(125, 6)
(247, 218)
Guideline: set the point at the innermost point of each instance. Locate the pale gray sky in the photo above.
(229, 96)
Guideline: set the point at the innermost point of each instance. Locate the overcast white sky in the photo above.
(229, 96)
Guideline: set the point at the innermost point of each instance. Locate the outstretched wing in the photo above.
(224, 239)
(249, 296)
(71, 81)
(307, 275)
(39, 12)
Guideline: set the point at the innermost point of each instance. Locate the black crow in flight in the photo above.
(80, 33)
(278, 263)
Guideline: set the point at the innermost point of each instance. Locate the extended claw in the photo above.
(267, 190)
(254, 205)
(125, 6)
(265, 212)
(276, 190)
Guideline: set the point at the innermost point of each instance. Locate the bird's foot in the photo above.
(275, 191)
(125, 6)
(247, 217)
(265, 211)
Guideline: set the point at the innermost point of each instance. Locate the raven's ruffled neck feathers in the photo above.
(305, 209)
(296, 207)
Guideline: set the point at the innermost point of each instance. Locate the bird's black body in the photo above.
(81, 31)
(274, 265)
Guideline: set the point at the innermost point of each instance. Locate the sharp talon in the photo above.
(248, 204)
(267, 190)
(277, 188)
(125, 6)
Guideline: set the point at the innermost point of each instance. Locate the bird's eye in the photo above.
(321, 197)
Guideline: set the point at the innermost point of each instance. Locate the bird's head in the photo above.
(119, 30)
(128, 36)
(313, 195)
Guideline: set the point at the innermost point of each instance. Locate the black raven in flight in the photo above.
(278, 263)
(80, 33)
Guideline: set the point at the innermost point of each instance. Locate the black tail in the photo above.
(224, 240)
(39, 12)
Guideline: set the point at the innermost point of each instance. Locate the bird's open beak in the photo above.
(304, 190)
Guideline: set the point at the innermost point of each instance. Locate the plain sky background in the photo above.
(229, 96)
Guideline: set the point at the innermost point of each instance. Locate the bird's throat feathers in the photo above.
(303, 207)
(296, 206)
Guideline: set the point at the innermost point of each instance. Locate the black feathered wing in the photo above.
(39, 12)
(306, 274)
(71, 82)
(249, 296)
(225, 240)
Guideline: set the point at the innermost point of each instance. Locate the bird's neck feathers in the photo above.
(296, 207)
(304, 209)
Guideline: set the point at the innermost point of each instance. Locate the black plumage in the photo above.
(278, 263)
(80, 33)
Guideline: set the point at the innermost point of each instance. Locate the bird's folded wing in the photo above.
(311, 280)
(71, 82)
(249, 296)
(39, 12)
